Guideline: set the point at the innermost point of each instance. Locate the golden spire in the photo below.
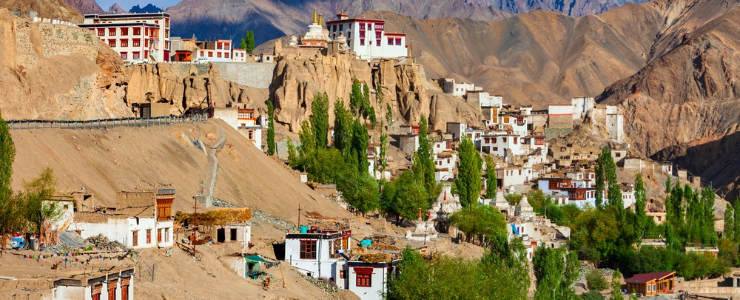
(321, 19)
(315, 17)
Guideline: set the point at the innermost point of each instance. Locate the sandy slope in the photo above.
(106, 161)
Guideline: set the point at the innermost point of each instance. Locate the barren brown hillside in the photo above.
(53, 9)
(107, 161)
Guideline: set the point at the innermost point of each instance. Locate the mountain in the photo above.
(85, 6)
(275, 18)
(115, 9)
(149, 8)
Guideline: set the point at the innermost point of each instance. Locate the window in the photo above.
(515, 140)
(398, 41)
(146, 42)
(148, 236)
(159, 235)
(112, 43)
(494, 140)
(135, 54)
(227, 46)
(166, 234)
(503, 139)
(124, 30)
(362, 42)
(137, 30)
(146, 54)
(218, 46)
(308, 249)
(390, 41)
(377, 43)
(111, 31)
(124, 43)
(495, 148)
(124, 55)
(226, 55)
(136, 42)
(341, 27)
(619, 154)
(364, 280)
(166, 22)
(135, 238)
(146, 31)
(218, 54)
(166, 33)
(648, 288)
(520, 172)
(210, 53)
(202, 53)
(342, 274)
(477, 135)
(166, 45)
(101, 32)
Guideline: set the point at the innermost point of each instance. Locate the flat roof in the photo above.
(119, 25)
(124, 16)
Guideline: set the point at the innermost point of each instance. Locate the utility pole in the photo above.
(299, 217)
(195, 222)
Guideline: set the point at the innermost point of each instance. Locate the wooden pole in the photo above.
(299, 217)
(154, 271)
(281, 274)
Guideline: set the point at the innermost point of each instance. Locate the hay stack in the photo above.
(374, 258)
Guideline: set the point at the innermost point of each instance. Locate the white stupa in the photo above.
(316, 37)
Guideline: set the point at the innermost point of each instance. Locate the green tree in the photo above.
(594, 234)
(491, 182)
(324, 165)
(404, 197)
(423, 164)
(249, 41)
(596, 281)
(342, 126)
(640, 204)
(729, 232)
(320, 119)
(617, 286)
(736, 209)
(37, 210)
(592, 295)
(270, 128)
(513, 198)
(308, 143)
(360, 190)
(243, 44)
(468, 180)
(382, 156)
(388, 114)
(360, 143)
(9, 209)
(483, 222)
(600, 182)
(668, 184)
(292, 156)
(538, 200)
(709, 235)
(556, 270)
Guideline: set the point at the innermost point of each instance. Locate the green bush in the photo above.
(596, 281)
(592, 295)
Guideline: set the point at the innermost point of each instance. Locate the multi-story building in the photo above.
(367, 37)
(136, 37)
(219, 50)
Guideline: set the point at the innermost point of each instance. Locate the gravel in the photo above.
(278, 222)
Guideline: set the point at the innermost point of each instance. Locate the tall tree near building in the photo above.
(243, 44)
(37, 212)
(468, 180)
(668, 184)
(729, 232)
(292, 156)
(249, 41)
(342, 126)
(737, 219)
(308, 144)
(9, 209)
(600, 184)
(640, 204)
(491, 182)
(360, 143)
(423, 165)
(270, 128)
(709, 234)
(555, 270)
(388, 114)
(382, 157)
(359, 189)
(320, 119)
(404, 197)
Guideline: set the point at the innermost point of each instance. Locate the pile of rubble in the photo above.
(60, 248)
(586, 269)
(324, 284)
(278, 222)
(102, 242)
(221, 203)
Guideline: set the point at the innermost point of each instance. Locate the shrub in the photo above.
(596, 281)
(592, 295)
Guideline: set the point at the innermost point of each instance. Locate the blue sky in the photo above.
(127, 4)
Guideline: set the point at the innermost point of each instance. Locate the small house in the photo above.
(314, 252)
(367, 280)
(409, 143)
(650, 284)
(114, 284)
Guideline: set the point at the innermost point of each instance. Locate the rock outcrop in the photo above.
(186, 86)
(53, 71)
(85, 6)
(298, 78)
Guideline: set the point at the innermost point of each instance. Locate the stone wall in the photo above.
(257, 75)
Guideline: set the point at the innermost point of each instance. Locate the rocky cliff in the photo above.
(52, 9)
(51, 71)
(85, 6)
(298, 77)
(186, 86)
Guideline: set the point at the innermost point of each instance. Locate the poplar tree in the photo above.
(249, 41)
(617, 286)
(292, 156)
(729, 232)
(9, 210)
(423, 165)
(710, 236)
(736, 224)
(320, 119)
(270, 128)
(383, 161)
(491, 182)
(342, 126)
(468, 180)
(640, 204)
(555, 270)
(243, 44)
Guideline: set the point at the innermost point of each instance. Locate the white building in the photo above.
(444, 165)
(456, 129)
(239, 55)
(449, 86)
(214, 51)
(409, 143)
(140, 220)
(243, 120)
(367, 281)
(581, 106)
(480, 99)
(367, 37)
(136, 37)
(114, 284)
(514, 176)
(475, 134)
(316, 252)
(503, 145)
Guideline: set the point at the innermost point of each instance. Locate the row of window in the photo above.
(163, 235)
(210, 54)
(503, 139)
(135, 55)
(124, 42)
(136, 31)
